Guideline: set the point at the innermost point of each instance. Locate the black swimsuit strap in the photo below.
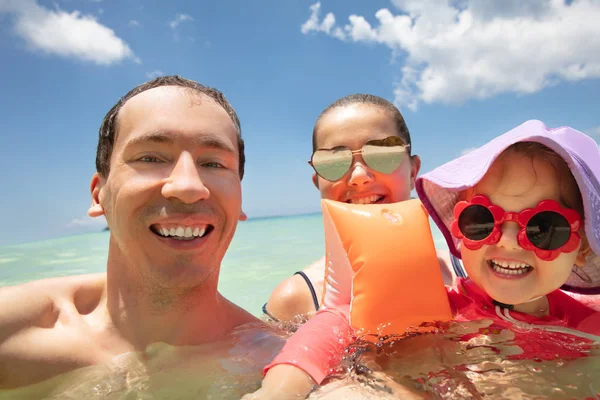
(264, 310)
(312, 292)
(311, 287)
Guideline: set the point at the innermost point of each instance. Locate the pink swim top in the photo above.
(319, 344)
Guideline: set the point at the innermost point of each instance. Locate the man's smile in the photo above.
(180, 231)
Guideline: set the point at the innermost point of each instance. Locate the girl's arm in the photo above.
(308, 355)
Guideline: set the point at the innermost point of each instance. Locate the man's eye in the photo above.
(213, 165)
(149, 159)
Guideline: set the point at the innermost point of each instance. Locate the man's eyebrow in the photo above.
(198, 140)
(155, 137)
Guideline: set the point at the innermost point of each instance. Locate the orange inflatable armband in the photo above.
(381, 260)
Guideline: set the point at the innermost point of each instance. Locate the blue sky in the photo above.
(461, 72)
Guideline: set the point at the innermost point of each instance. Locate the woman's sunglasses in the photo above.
(383, 155)
(548, 229)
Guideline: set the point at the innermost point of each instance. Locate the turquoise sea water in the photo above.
(263, 252)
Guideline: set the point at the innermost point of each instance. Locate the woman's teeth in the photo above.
(181, 232)
(509, 267)
(366, 200)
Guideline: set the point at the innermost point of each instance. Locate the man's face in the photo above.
(172, 198)
(352, 126)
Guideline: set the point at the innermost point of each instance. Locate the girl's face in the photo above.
(507, 272)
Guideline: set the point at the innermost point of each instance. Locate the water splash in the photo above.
(459, 360)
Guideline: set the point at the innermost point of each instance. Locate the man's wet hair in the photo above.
(369, 99)
(110, 125)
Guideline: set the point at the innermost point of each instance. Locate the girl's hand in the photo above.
(283, 382)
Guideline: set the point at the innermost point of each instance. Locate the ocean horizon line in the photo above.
(105, 229)
(284, 215)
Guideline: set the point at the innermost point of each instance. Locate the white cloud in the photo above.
(154, 74)
(69, 35)
(327, 25)
(475, 49)
(134, 23)
(86, 222)
(179, 18)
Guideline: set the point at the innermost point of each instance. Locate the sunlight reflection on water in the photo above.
(486, 366)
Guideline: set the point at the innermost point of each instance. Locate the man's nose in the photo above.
(184, 182)
(359, 174)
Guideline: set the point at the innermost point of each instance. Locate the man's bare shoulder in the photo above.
(36, 303)
(60, 282)
(35, 296)
(234, 314)
(29, 314)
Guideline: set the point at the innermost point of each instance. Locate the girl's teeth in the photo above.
(510, 268)
(188, 232)
(196, 231)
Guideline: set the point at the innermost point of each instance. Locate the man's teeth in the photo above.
(366, 200)
(185, 232)
(510, 267)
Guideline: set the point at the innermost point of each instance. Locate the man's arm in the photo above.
(40, 328)
(22, 309)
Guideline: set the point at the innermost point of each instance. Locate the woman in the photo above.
(361, 154)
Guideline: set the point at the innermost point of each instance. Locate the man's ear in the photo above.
(315, 180)
(243, 216)
(584, 251)
(96, 186)
(415, 166)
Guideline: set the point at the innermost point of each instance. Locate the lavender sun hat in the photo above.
(440, 188)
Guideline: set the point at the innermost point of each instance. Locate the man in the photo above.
(169, 162)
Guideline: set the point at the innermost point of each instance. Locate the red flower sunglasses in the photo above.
(548, 229)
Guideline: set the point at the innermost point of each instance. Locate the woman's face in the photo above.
(352, 126)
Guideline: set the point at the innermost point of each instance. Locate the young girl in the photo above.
(523, 213)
